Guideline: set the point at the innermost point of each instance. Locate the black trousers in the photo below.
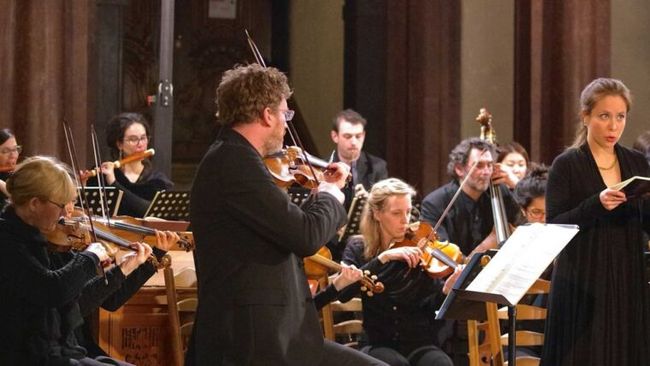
(335, 354)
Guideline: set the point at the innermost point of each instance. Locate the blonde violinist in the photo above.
(399, 322)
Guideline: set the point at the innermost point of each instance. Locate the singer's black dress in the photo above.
(598, 310)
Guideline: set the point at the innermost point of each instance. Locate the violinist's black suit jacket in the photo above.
(370, 169)
(255, 307)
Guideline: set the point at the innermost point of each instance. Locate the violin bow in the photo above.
(455, 196)
(72, 151)
(293, 133)
(103, 201)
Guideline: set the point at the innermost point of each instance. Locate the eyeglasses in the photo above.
(536, 213)
(288, 114)
(59, 205)
(133, 140)
(6, 151)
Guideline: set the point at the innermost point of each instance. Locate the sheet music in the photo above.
(522, 259)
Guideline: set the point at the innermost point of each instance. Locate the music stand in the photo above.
(354, 214)
(170, 205)
(113, 197)
(505, 277)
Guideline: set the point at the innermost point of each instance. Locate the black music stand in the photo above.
(354, 215)
(170, 205)
(504, 277)
(113, 197)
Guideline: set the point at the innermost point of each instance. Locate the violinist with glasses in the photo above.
(128, 135)
(255, 306)
(9, 153)
(41, 308)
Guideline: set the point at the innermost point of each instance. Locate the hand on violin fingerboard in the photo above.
(409, 255)
(348, 276)
(131, 261)
(165, 240)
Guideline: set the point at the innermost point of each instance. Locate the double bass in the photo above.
(499, 215)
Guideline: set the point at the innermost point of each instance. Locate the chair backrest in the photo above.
(181, 313)
(347, 331)
(486, 353)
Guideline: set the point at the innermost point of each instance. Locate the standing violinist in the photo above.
(469, 222)
(9, 152)
(398, 322)
(127, 134)
(255, 307)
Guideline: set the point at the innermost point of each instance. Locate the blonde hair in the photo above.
(41, 177)
(592, 94)
(369, 227)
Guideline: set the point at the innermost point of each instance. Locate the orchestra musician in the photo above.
(599, 313)
(399, 322)
(127, 134)
(40, 308)
(469, 222)
(530, 194)
(512, 163)
(349, 133)
(255, 306)
(9, 152)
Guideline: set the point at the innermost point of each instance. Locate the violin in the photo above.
(118, 163)
(74, 235)
(438, 259)
(318, 264)
(289, 166)
(130, 227)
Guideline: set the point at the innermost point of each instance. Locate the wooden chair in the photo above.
(348, 331)
(181, 313)
(490, 351)
(528, 312)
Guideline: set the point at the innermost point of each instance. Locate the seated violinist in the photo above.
(9, 152)
(399, 321)
(128, 134)
(46, 293)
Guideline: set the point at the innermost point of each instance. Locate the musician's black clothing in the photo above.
(402, 317)
(468, 222)
(40, 309)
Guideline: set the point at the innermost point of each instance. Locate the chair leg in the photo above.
(174, 319)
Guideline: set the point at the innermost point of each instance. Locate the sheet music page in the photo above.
(522, 259)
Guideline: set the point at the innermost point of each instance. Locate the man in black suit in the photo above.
(348, 133)
(255, 307)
